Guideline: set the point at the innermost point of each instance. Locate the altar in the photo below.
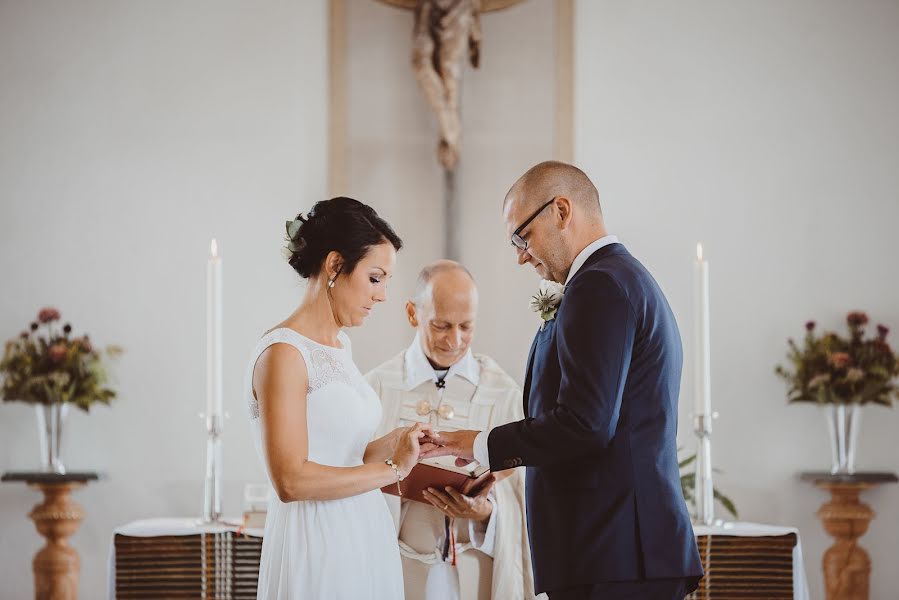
(182, 558)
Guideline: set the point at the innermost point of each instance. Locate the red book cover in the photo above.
(439, 473)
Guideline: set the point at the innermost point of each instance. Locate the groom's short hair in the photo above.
(554, 178)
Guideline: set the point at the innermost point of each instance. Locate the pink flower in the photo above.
(57, 353)
(47, 315)
(840, 360)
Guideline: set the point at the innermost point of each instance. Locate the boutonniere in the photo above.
(547, 301)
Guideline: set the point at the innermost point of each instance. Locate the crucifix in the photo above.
(445, 34)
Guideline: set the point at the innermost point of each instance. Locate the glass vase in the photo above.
(50, 421)
(843, 422)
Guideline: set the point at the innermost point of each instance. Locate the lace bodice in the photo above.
(323, 364)
(342, 411)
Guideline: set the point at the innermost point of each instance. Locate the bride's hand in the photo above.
(408, 447)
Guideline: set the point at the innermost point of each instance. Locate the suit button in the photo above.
(508, 463)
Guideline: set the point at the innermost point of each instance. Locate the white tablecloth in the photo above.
(800, 584)
(160, 527)
(168, 526)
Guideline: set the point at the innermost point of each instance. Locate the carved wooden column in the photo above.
(56, 565)
(847, 567)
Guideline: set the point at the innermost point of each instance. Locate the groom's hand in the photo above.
(451, 443)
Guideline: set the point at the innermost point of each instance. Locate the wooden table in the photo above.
(847, 567)
(56, 565)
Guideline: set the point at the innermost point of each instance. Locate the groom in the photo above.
(606, 516)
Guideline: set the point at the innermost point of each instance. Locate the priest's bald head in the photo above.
(552, 213)
(443, 311)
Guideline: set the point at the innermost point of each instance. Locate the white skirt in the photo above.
(334, 549)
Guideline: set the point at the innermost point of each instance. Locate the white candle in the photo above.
(214, 406)
(702, 383)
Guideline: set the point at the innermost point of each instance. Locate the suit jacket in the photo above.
(604, 500)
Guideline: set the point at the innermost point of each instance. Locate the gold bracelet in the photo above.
(389, 462)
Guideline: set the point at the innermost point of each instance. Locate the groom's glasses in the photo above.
(518, 241)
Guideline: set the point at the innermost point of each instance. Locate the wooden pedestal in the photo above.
(56, 565)
(847, 567)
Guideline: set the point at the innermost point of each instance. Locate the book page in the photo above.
(448, 463)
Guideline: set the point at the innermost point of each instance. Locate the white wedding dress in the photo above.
(329, 549)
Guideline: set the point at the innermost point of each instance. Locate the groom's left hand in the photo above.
(451, 443)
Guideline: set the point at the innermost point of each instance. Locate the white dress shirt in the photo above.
(480, 449)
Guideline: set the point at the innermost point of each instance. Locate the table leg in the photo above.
(847, 567)
(56, 565)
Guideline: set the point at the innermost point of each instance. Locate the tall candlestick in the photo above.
(701, 355)
(214, 406)
(212, 497)
(702, 391)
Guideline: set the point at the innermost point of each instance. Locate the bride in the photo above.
(328, 532)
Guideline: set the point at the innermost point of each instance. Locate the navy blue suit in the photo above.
(604, 502)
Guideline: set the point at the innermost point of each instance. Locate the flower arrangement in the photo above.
(830, 369)
(47, 365)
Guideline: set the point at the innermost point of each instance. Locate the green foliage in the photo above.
(46, 365)
(831, 369)
(688, 487)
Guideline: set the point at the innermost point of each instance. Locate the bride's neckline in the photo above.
(309, 339)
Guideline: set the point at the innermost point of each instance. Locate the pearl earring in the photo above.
(330, 283)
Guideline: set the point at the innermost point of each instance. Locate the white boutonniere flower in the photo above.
(547, 300)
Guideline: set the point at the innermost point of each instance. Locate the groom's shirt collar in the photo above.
(581, 258)
(418, 369)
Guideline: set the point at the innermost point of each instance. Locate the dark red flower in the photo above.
(857, 319)
(67, 329)
(48, 315)
(33, 326)
(882, 331)
(24, 335)
(809, 325)
(57, 352)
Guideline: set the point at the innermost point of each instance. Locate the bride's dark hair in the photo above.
(340, 224)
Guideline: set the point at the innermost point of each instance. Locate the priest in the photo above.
(459, 546)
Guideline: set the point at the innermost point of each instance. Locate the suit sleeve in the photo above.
(595, 337)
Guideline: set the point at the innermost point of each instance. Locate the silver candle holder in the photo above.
(705, 490)
(212, 490)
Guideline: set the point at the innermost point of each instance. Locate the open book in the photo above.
(439, 473)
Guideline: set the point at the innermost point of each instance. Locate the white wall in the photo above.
(130, 134)
(769, 131)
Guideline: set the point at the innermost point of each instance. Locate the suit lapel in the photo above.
(527, 377)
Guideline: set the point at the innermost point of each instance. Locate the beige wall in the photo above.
(769, 131)
(508, 119)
